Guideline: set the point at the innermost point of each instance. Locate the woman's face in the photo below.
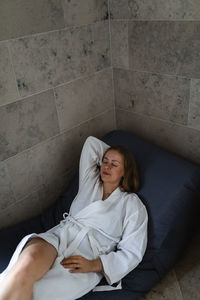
(112, 168)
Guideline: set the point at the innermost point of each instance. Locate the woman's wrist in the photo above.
(97, 265)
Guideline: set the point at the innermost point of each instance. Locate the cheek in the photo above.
(119, 173)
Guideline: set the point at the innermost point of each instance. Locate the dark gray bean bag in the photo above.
(171, 192)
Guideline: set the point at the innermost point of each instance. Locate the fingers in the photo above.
(72, 262)
(76, 264)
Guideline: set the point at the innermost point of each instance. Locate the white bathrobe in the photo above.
(114, 230)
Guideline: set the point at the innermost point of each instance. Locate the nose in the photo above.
(107, 166)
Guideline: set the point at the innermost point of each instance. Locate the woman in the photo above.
(104, 234)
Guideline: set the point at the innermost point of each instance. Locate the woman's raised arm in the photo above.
(91, 156)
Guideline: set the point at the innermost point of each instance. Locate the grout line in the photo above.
(157, 119)
(65, 131)
(178, 285)
(54, 87)
(114, 102)
(111, 60)
(13, 70)
(128, 45)
(110, 35)
(88, 120)
(189, 104)
(156, 73)
(54, 95)
(156, 20)
(68, 27)
(9, 180)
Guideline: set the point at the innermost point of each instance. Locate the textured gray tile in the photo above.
(84, 98)
(64, 150)
(188, 270)
(194, 111)
(73, 140)
(165, 47)
(173, 137)
(6, 192)
(50, 59)
(192, 137)
(100, 125)
(8, 87)
(22, 210)
(78, 12)
(119, 42)
(38, 166)
(24, 173)
(24, 17)
(167, 289)
(49, 193)
(41, 174)
(60, 158)
(159, 96)
(101, 56)
(47, 162)
(26, 123)
(155, 9)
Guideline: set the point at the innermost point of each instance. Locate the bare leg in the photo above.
(35, 260)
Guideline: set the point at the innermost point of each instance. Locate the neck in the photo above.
(108, 189)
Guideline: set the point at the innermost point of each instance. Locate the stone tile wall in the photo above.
(55, 90)
(156, 60)
(155, 55)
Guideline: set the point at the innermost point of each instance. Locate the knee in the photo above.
(27, 263)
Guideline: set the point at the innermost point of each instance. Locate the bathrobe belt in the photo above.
(84, 230)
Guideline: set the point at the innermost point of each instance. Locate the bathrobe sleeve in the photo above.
(91, 158)
(130, 249)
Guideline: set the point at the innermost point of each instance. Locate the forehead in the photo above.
(114, 155)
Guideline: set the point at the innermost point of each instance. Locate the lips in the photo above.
(105, 173)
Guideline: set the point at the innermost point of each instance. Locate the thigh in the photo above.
(37, 257)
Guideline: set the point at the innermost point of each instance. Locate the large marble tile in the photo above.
(64, 150)
(165, 47)
(192, 138)
(167, 289)
(170, 136)
(155, 9)
(84, 98)
(101, 57)
(100, 125)
(188, 270)
(42, 174)
(53, 58)
(159, 96)
(74, 139)
(49, 193)
(8, 86)
(24, 17)
(22, 210)
(48, 161)
(6, 193)
(27, 122)
(40, 165)
(119, 44)
(78, 12)
(24, 174)
(194, 111)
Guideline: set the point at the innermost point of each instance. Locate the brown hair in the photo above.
(130, 183)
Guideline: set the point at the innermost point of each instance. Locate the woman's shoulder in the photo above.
(133, 202)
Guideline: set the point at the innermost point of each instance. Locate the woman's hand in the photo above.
(79, 264)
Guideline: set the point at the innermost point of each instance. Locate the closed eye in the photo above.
(115, 165)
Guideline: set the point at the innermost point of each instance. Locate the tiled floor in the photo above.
(183, 282)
